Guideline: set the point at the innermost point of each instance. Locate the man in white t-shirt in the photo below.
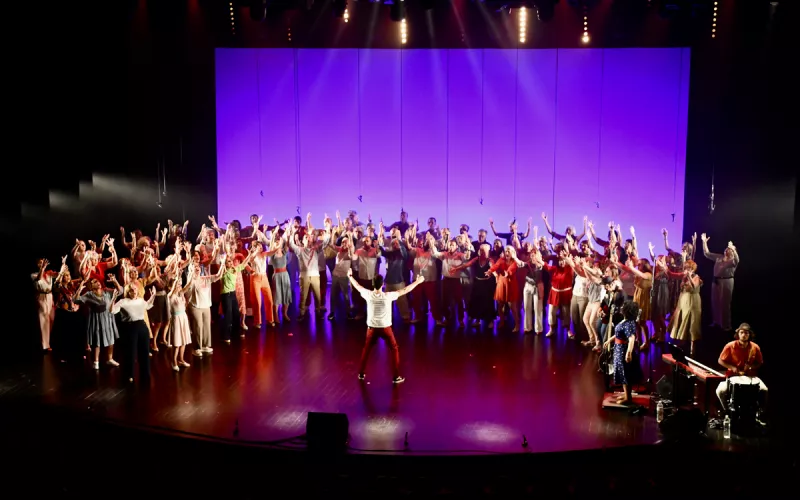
(379, 320)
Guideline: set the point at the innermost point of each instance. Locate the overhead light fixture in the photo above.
(585, 37)
(714, 21)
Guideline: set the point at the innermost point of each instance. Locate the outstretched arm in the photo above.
(410, 287)
(706, 253)
(550, 229)
(355, 284)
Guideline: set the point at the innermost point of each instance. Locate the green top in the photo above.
(229, 279)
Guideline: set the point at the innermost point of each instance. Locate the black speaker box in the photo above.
(327, 431)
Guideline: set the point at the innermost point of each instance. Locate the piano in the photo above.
(686, 367)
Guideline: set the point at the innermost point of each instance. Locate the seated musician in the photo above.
(742, 357)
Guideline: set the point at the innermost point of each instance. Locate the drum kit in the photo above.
(743, 401)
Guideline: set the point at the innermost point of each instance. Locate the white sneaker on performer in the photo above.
(207, 350)
(398, 380)
(198, 353)
(111, 362)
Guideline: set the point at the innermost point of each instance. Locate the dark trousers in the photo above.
(230, 309)
(135, 338)
(373, 334)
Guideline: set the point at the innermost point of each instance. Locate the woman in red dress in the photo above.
(561, 277)
(507, 291)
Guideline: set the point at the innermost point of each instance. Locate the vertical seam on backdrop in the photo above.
(402, 177)
(260, 144)
(516, 133)
(447, 143)
(358, 83)
(297, 130)
(600, 127)
(483, 60)
(677, 132)
(555, 140)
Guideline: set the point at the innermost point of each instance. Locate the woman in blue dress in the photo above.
(281, 282)
(627, 370)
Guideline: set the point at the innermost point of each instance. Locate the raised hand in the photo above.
(704, 238)
(650, 246)
(633, 231)
(544, 216)
(64, 260)
(664, 231)
(589, 224)
(730, 245)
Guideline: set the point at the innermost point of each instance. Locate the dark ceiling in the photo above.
(473, 23)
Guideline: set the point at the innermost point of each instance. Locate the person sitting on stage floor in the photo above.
(741, 357)
(379, 317)
(627, 370)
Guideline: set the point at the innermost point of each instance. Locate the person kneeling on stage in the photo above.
(627, 370)
(379, 320)
(742, 358)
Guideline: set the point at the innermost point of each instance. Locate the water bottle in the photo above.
(659, 412)
(726, 427)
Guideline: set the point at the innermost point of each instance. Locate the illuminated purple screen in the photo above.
(462, 135)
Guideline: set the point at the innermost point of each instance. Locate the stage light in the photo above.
(714, 21)
(523, 24)
(232, 14)
(346, 16)
(403, 32)
(585, 37)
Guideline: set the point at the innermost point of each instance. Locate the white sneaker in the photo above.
(198, 353)
(96, 365)
(111, 362)
(176, 368)
(207, 350)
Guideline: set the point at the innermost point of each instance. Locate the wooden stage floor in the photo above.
(464, 390)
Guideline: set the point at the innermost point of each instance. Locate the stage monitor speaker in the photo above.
(684, 424)
(327, 432)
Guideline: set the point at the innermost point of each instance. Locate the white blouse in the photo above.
(133, 308)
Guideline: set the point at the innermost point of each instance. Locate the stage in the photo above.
(465, 391)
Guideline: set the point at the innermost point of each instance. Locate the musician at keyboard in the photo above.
(742, 358)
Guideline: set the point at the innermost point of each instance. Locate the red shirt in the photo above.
(741, 356)
(99, 273)
(560, 279)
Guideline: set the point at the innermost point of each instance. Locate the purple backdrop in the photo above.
(462, 135)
